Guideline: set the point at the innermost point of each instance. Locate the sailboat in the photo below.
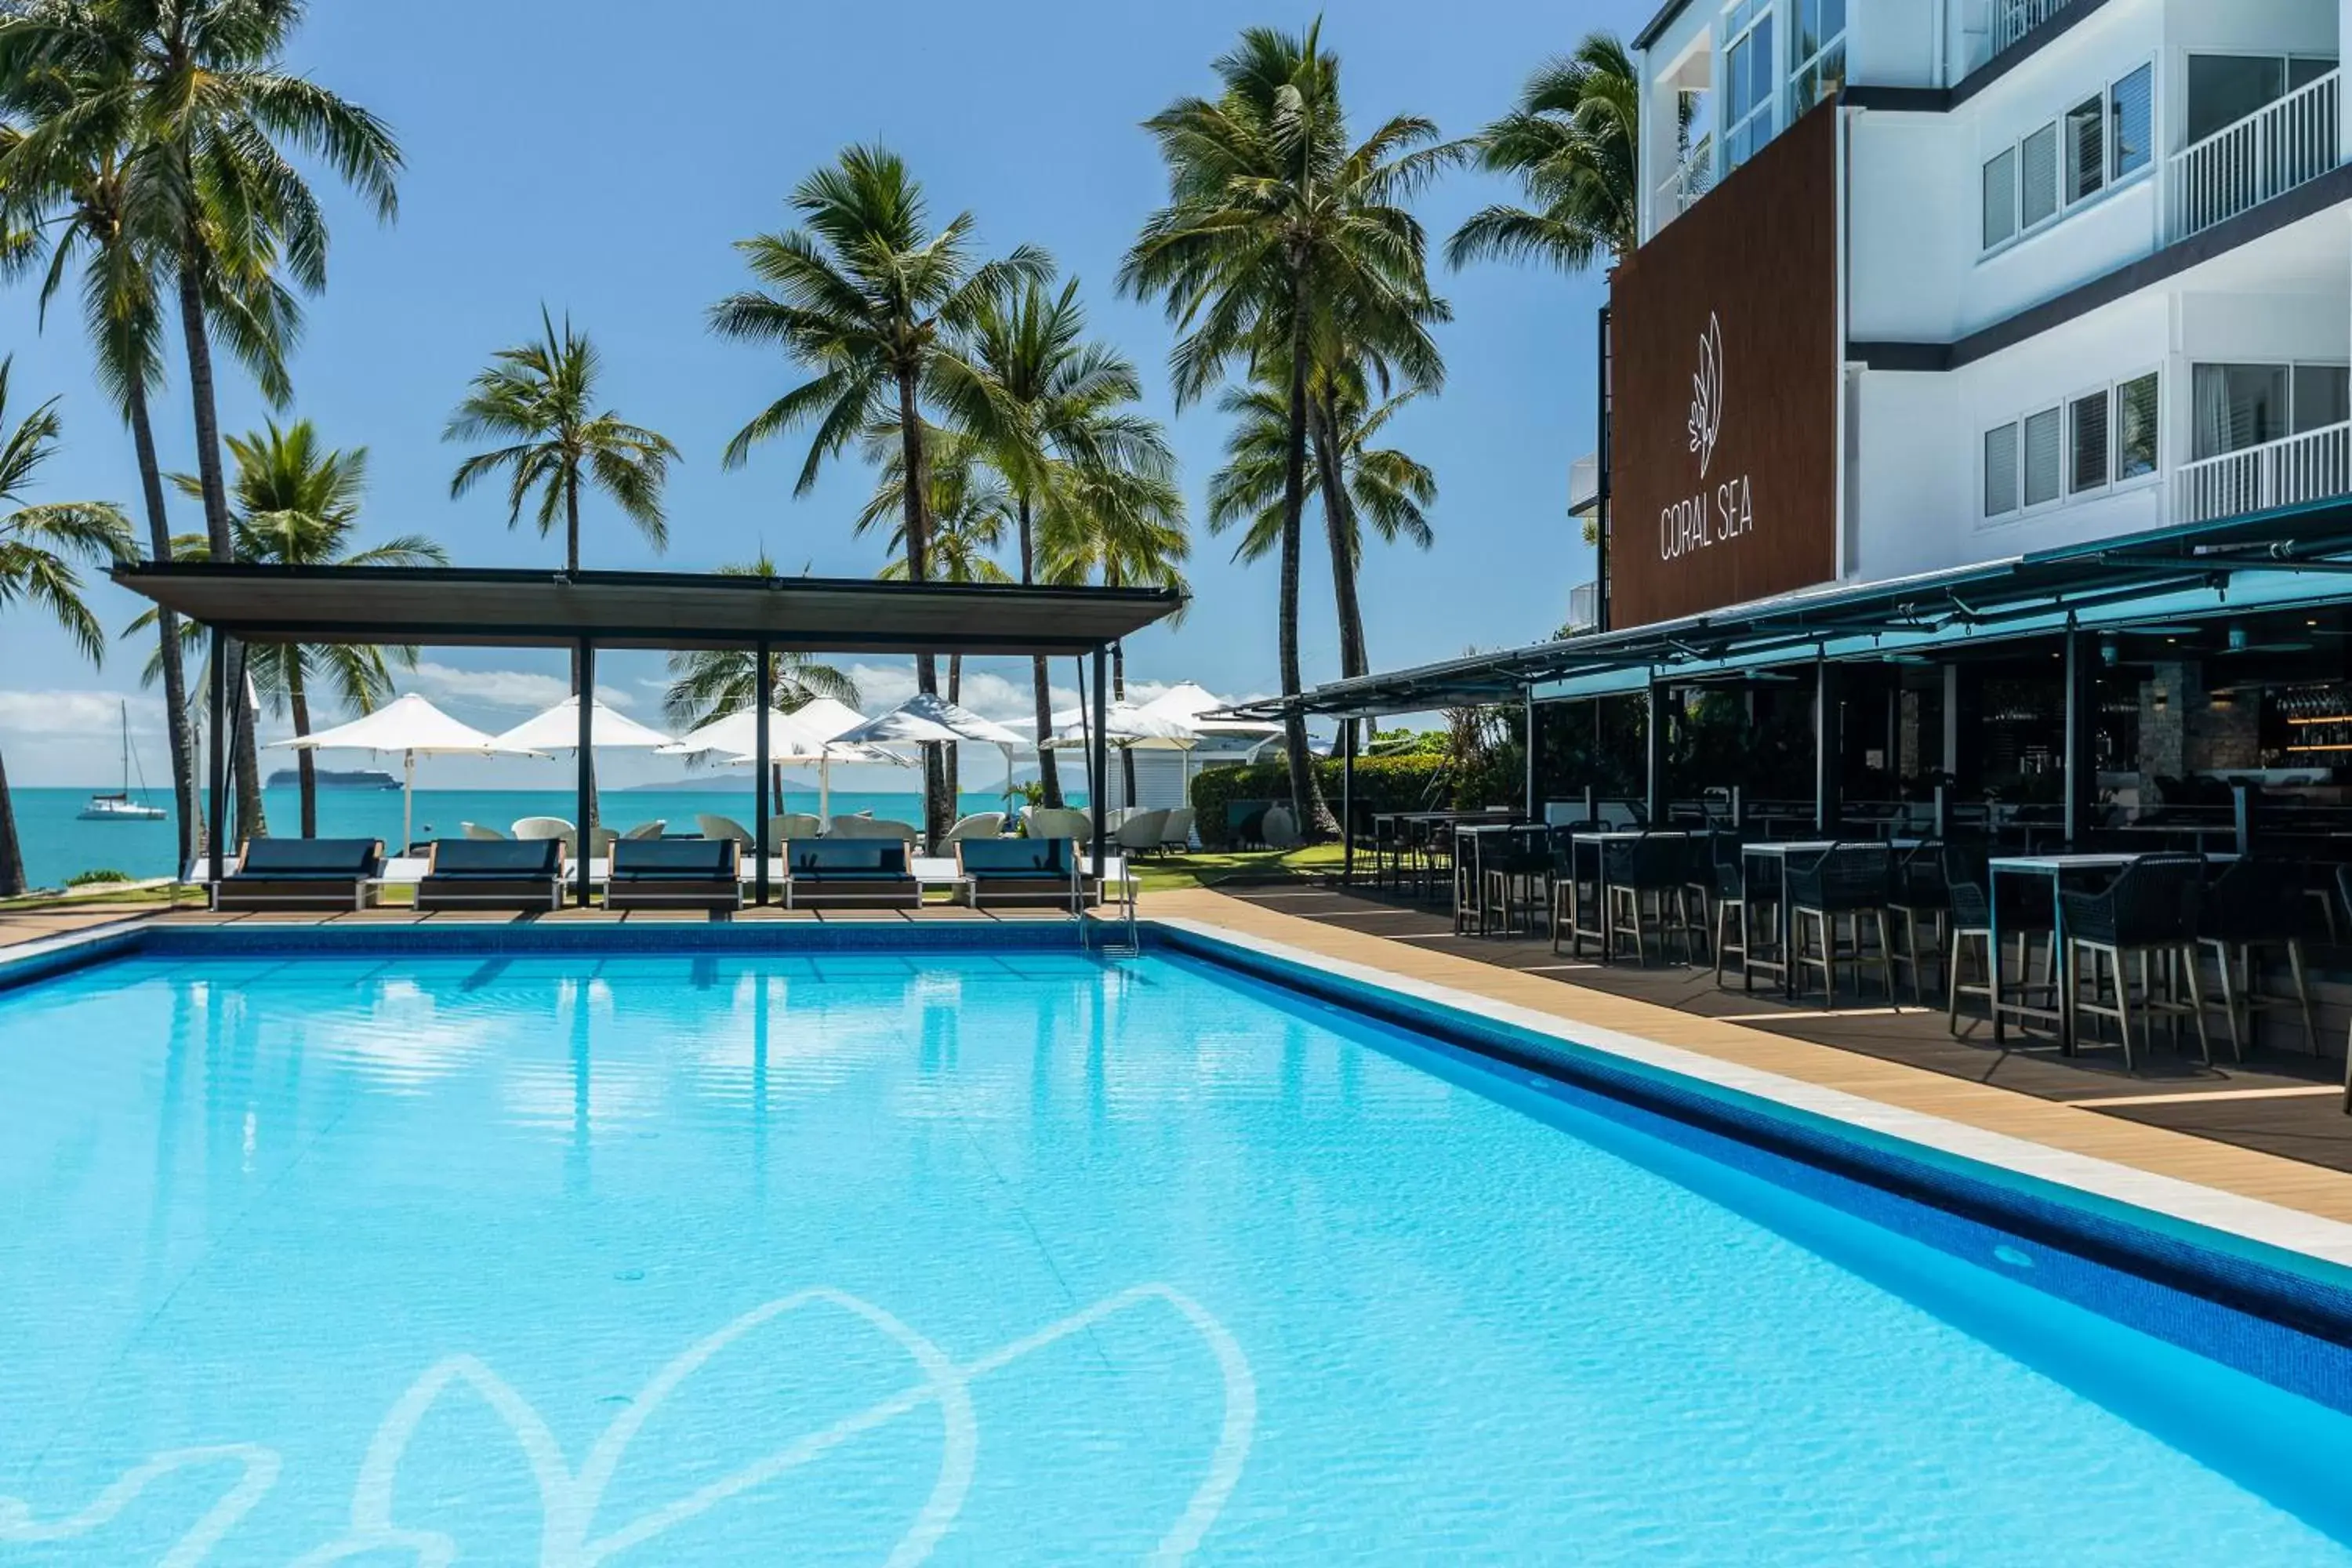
(119, 806)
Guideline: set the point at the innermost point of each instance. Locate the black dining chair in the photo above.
(2146, 919)
(2243, 914)
(1648, 887)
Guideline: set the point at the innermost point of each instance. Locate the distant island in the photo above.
(336, 778)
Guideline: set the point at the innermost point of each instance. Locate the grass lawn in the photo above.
(1207, 868)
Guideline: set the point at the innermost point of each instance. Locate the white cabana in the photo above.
(412, 726)
(1189, 701)
(927, 720)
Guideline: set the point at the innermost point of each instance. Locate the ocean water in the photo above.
(56, 845)
(996, 1259)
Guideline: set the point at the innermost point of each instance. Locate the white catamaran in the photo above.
(119, 806)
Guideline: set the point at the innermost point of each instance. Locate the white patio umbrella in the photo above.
(412, 726)
(1126, 726)
(928, 719)
(1191, 702)
(558, 729)
(794, 739)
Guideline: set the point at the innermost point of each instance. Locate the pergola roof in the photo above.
(642, 609)
(2013, 597)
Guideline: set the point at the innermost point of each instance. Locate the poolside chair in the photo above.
(791, 827)
(1141, 834)
(548, 827)
(979, 825)
(714, 826)
(1060, 821)
(863, 826)
(1176, 833)
(492, 874)
(482, 834)
(1032, 871)
(676, 874)
(819, 872)
(302, 874)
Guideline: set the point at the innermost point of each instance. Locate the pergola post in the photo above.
(2079, 776)
(217, 830)
(1348, 804)
(1828, 748)
(1529, 694)
(1654, 798)
(1099, 761)
(766, 681)
(584, 838)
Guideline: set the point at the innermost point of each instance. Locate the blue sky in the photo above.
(592, 157)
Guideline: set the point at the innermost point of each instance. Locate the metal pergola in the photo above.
(2073, 591)
(586, 610)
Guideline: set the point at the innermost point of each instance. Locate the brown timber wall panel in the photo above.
(1724, 441)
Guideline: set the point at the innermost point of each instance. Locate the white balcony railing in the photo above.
(2313, 466)
(1692, 179)
(2269, 152)
(2013, 19)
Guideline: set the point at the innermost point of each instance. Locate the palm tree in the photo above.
(1126, 530)
(198, 89)
(39, 545)
(710, 683)
(298, 504)
(873, 303)
(1572, 142)
(1050, 401)
(1356, 480)
(1284, 246)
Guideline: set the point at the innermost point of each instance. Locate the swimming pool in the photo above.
(1008, 1255)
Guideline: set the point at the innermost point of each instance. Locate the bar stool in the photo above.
(2243, 913)
(1919, 898)
(1848, 882)
(1733, 905)
(1653, 867)
(2149, 911)
(1515, 865)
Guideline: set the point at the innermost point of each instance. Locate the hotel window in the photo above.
(2084, 445)
(1749, 69)
(2101, 140)
(1817, 43)
(2238, 406)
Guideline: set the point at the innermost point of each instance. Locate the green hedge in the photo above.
(1411, 783)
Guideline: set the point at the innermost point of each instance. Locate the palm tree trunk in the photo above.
(572, 569)
(917, 461)
(304, 763)
(1339, 529)
(12, 855)
(185, 806)
(1294, 501)
(1049, 770)
(251, 821)
(1119, 694)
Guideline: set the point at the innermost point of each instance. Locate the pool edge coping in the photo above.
(2312, 1236)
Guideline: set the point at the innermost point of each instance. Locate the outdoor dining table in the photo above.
(2054, 869)
(1473, 834)
(1594, 846)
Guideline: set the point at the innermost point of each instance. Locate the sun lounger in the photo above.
(821, 871)
(1031, 871)
(302, 874)
(493, 874)
(675, 874)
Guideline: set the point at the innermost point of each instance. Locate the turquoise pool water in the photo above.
(996, 1258)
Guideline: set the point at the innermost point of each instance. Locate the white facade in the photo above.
(2092, 282)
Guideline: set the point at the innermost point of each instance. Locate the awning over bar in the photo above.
(2265, 561)
(662, 610)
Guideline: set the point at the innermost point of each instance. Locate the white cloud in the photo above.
(522, 691)
(43, 716)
